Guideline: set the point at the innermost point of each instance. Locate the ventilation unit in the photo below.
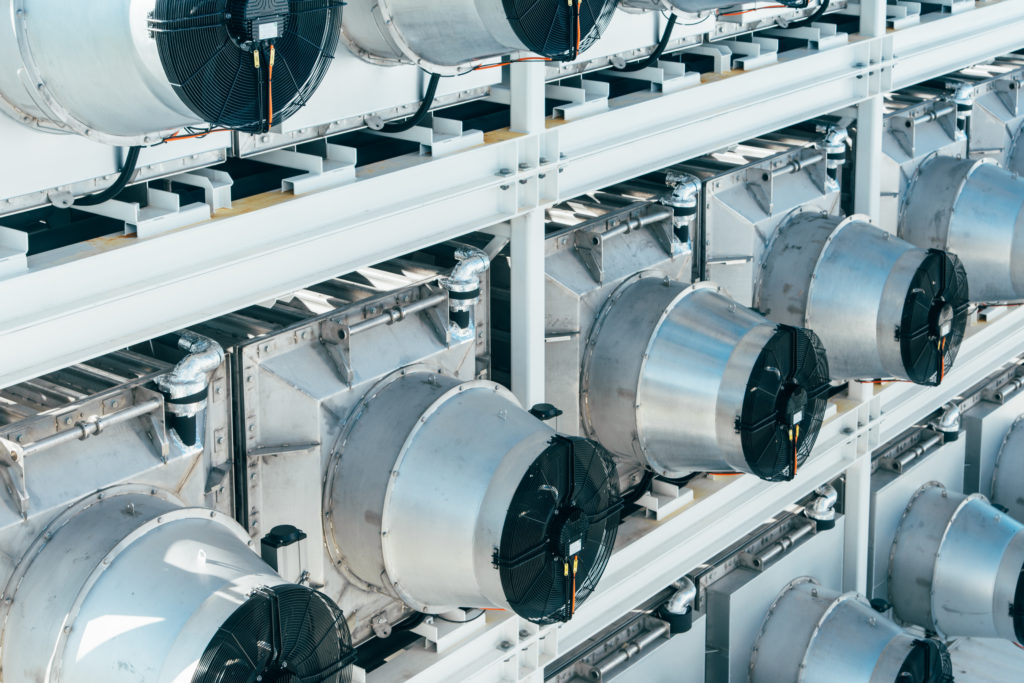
(815, 634)
(1008, 478)
(975, 210)
(120, 72)
(448, 494)
(443, 37)
(153, 591)
(957, 566)
(684, 379)
(882, 307)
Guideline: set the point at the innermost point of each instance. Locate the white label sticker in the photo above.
(268, 31)
(575, 547)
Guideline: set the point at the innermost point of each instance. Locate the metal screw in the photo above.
(505, 645)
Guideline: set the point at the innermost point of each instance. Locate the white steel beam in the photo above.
(527, 292)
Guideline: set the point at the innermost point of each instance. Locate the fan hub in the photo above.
(940, 318)
(570, 526)
(255, 21)
(791, 403)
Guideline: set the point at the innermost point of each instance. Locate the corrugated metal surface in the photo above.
(981, 660)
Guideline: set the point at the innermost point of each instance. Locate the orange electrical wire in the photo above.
(575, 567)
(270, 86)
(942, 360)
(747, 11)
(514, 61)
(175, 137)
(579, 26)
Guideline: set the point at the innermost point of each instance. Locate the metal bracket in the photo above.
(1009, 93)
(334, 166)
(438, 136)
(821, 36)
(216, 185)
(150, 212)
(13, 252)
(760, 182)
(335, 337)
(12, 459)
(665, 77)
(157, 433)
(586, 99)
(754, 53)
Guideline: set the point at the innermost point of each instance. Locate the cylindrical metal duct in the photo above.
(129, 586)
(444, 36)
(682, 379)
(131, 72)
(1008, 477)
(449, 494)
(975, 210)
(882, 307)
(957, 566)
(814, 634)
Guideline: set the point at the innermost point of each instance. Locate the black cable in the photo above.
(822, 8)
(421, 113)
(131, 161)
(658, 51)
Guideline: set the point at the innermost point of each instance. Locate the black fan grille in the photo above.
(790, 374)
(548, 27)
(927, 354)
(560, 529)
(285, 633)
(1017, 610)
(214, 72)
(927, 662)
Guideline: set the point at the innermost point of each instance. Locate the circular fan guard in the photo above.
(784, 403)
(559, 531)
(934, 318)
(928, 662)
(559, 29)
(244, 64)
(284, 634)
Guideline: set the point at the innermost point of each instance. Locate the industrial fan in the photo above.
(245, 64)
(934, 317)
(784, 403)
(559, 531)
(556, 29)
(284, 634)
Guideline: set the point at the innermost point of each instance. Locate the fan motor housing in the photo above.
(443, 36)
(669, 374)
(957, 566)
(882, 307)
(816, 634)
(134, 563)
(975, 210)
(418, 498)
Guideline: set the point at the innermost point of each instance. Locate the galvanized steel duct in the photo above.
(670, 371)
(97, 68)
(124, 586)
(444, 36)
(957, 566)
(814, 634)
(1008, 477)
(418, 498)
(882, 307)
(975, 210)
